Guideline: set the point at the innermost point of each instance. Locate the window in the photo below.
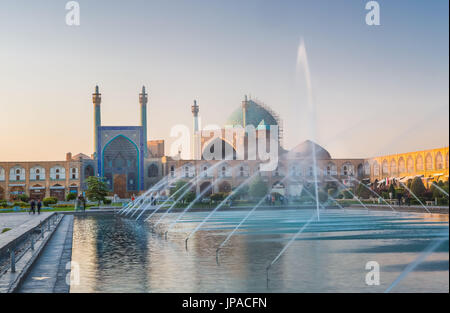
(17, 171)
(38, 177)
(241, 169)
(410, 165)
(429, 162)
(37, 171)
(419, 163)
(439, 161)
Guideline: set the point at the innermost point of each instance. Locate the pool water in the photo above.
(116, 254)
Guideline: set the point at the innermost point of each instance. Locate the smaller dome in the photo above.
(305, 151)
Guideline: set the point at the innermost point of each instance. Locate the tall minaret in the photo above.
(143, 99)
(196, 135)
(96, 99)
(244, 111)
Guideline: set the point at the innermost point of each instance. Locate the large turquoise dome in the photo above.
(256, 115)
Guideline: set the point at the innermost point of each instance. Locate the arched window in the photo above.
(393, 167)
(376, 169)
(385, 167)
(88, 171)
(439, 161)
(428, 162)
(367, 168)
(410, 165)
(419, 163)
(58, 173)
(330, 170)
(17, 173)
(347, 169)
(37, 173)
(401, 165)
(2, 174)
(152, 170)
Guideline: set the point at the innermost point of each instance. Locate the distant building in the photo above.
(40, 179)
(430, 165)
(131, 163)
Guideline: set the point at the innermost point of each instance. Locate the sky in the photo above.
(376, 89)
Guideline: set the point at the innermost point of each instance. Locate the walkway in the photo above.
(48, 274)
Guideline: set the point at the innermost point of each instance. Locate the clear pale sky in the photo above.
(377, 89)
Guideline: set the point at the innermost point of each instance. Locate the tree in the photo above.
(258, 188)
(240, 193)
(189, 197)
(178, 190)
(97, 189)
(363, 191)
(417, 187)
(23, 197)
(71, 196)
(392, 190)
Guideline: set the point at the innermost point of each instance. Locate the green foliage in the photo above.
(258, 188)
(50, 200)
(408, 183)
(71, 196)
(362, 192)
(392, 191)
(21, 204)
(189, 197)
(323, 196)
(23, 197)
(417, 187)
(181, 184)
(4, 230)
(3, 203)
(219, 196)
(332, 192)
(97, 189)
(107, 201)
(241, 193)
(347, 194)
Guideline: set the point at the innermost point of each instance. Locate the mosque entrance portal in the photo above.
(120, 185)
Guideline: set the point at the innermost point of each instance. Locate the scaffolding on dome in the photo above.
(275, 116)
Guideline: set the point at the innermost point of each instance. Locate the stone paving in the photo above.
(13, 220)
(48, 274)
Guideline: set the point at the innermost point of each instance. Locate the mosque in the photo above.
(132, 164)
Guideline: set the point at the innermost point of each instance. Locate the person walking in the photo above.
(399, 199)
(32, 206)
(39, 205)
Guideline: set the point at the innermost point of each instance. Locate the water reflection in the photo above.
(120, 255)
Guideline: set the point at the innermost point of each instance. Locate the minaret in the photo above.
(195, 138)
(143, 99)
(244, 111)
(96, 99)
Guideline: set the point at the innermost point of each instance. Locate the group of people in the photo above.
(406, 199)
(35, 205)
(80, 203)
(270, 199)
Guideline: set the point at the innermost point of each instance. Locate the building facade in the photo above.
(40, 179)
(430, 165)
(131, 164)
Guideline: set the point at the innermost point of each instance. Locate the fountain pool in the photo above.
(116, 254)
